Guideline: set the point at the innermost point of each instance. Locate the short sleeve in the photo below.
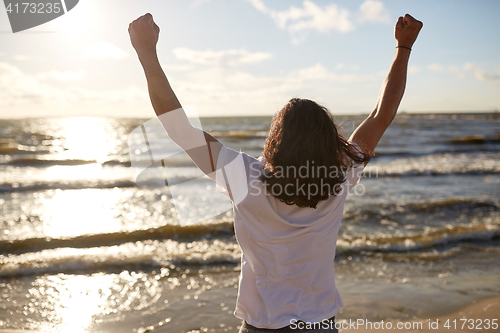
(231, 175)
(355, 172)
(180, 130)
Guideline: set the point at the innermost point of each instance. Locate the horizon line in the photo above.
(442, 112)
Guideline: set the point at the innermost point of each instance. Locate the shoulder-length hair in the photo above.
(306, 156)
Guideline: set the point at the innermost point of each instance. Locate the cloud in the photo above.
(259, 5)
(482, 75)
(214, 76)
(373, 11)
(104, 50)
(213, 87)
(176, 68)
(231, 57)
(197, 3)
(319, 72)
(438, 68)
(309, 17)
(414, 69)
(23, 57)
(462, 71)
(17, 87)
(20, 88)
(312, 17)
(62, 76)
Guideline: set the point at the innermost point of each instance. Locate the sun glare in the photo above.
(78, 20)
(77, 212)
(87, 138)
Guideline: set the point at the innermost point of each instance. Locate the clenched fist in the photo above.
(144, 33)
(406, 30)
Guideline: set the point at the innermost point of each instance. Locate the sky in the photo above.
(249, 57)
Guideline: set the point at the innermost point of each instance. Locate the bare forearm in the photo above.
(368, 133)
(393, 87)
(160, 92)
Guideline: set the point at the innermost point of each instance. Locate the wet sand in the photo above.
(480, 312)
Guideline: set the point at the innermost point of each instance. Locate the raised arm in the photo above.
(369, 132)
(200, 146)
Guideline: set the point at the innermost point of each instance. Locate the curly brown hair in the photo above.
(304, 137)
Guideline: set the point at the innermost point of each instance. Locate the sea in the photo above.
(100, 235)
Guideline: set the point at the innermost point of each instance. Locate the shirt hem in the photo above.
(285, 323)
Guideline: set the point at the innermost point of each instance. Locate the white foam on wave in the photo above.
(439, 164)
(139, 254)
(432, 239)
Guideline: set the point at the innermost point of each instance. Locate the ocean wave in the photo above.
(439, 164)
(45, 162)
(147, 255)
(179, 254)
(380, 211)
(432, 239)
(474, 139)
(169, 231)
(454, 249)
(112, 163)
(20, 149)
(65, 185)
(362, 221)
(406, 220)
(12, 149)
(181, 160)
(246, 134)
(184, 170)
(152, 182)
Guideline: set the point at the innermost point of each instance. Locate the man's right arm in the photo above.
(201, 147)
(369, 132)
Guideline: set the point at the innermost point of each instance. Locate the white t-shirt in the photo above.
(287, 269)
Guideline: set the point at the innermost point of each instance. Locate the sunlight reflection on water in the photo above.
(74, 303)
(87, 137)
(77, 212)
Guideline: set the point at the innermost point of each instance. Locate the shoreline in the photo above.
(479, 311)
